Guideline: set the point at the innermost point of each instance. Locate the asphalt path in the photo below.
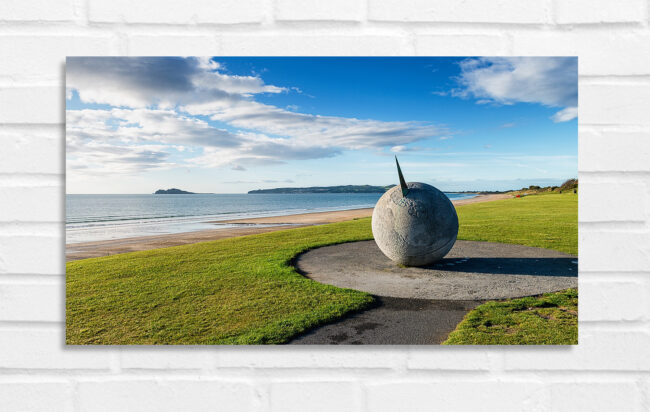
(423, 305)
(393, 321)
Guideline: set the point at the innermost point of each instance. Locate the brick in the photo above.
(319, 396)
(311, 357)
(338, 10)
(611, 300)
(32, 254)
(313, 45)
(32, 150)
(452, 358)
(36, 396)
(45, 349)
(598, 350)
(189, 12)
(172, 45)
(37, 10)
(471, 11)
(134, 357)
(612, 200)
(614, 103)
(42, 58)
(460, 44)
(615, 151)
(31, 204)
(32, 302)
(613, 251)
(164, 395)
(599, 11)
(594, 396)
(600, 52)
(452, 395)
(37, 104)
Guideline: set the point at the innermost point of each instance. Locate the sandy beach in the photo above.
(86, 250)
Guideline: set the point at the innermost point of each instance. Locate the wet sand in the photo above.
(76, 251)
(318, 218)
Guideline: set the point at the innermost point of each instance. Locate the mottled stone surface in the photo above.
(415, 230)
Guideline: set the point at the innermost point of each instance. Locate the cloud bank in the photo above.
(171, 105)
(550, 81)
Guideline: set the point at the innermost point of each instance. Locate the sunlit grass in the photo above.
(245, 291)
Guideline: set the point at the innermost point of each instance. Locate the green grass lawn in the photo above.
(549, 221)
(549, 319)
(240, 290)
(244, 291)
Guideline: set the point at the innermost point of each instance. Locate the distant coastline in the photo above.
(173, 191)
(323, 189)
(347, 189)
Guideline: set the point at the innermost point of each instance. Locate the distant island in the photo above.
(324, 189)
(172, 192)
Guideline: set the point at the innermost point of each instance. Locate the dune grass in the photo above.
(244, 291)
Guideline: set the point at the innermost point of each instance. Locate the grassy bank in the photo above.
(244, 291)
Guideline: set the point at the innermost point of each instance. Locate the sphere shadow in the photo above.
(509, 266)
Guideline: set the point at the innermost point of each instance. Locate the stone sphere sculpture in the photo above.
(414, 224)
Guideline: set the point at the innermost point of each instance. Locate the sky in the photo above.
(233, 124)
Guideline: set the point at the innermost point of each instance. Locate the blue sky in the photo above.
(229, 125)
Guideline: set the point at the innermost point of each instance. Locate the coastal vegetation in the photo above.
(244, 290)
(568, 186)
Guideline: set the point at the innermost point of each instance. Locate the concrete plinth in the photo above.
(470, 271)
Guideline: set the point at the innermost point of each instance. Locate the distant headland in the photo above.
(173, 191)
(324, 189)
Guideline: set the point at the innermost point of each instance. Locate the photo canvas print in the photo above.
(321, 200)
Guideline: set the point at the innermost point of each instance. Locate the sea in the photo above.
(103, 217)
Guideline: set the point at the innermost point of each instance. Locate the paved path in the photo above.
(423, 305)
(393, 321)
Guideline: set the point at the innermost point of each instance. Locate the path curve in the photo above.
(412, 320)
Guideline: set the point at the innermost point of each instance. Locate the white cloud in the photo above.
(345, 132)
(144, 125)
(157, 100)
(95, 158)
(115, 136)
(565, 115)
(161, 81)
(550, 81)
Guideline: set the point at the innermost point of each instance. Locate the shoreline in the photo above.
(85, 250)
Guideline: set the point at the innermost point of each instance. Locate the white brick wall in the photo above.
(609, 370)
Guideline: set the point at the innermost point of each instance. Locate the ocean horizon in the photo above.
(93, 217)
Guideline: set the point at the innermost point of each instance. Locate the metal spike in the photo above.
(402, 182)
